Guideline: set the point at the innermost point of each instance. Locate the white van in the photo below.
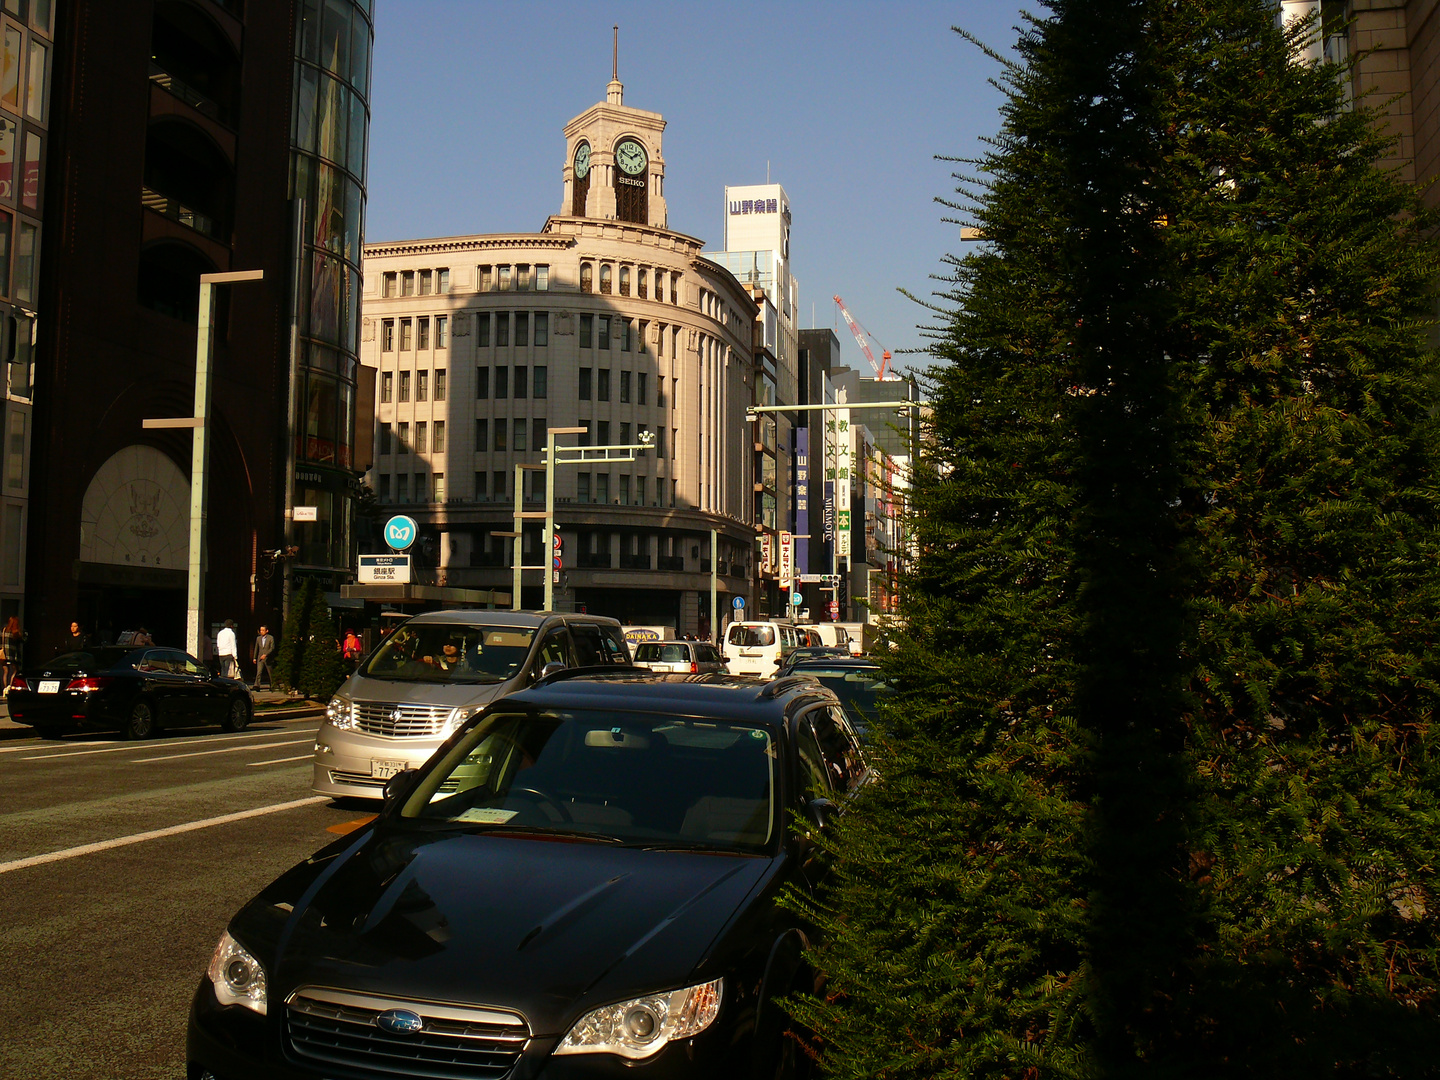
(833, 634)
(758, 648)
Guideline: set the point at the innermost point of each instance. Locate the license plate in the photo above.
(49, 686)
(383, 770)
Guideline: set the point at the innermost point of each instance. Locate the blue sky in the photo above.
(847, 102)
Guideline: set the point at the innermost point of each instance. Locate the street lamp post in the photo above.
(200, 448)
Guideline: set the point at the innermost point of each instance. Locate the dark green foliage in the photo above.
(309, 655)
(1159, 787)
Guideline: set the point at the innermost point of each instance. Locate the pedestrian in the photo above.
(142, 637)
(77, 640)
(352, 648)
(10, 643)
(227, 650)
(260, 653)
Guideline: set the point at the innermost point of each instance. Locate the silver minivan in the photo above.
(680, 657)
(434, 672)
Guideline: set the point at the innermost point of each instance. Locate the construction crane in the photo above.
(863, 341)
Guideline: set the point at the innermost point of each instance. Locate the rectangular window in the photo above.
(442, 280)
(403, 445)
(602, 487)
(387, 283)
(624, 489)
(482, 329)
(674, 491)
(641, 389)
(384, 493)
(602, 433)
(542, 329)
(625, 388)
(387, 439)
(407, 283)
(641, 331)
(387, 387)
(420, 428)
(604, 335)
(522, 427)
(537, 433)
(660, 442)
(584, 391)
(502, 328)
(537, 486)
(407, 335)
(502, 382)
(502, 429)
(522, 328)
(422, 386)
(505, 279)
(542, 280)
(404, 386)
(623, 329)
(660, 342)
(522, 277)
(438, 445)
(482, 383)
(603, 385)
(425, 282)
(423, 332)
(585, 439)
(587, 330)
(498, 486)
(521, 383)
(387, 335)
(422, 487)
(582, 487)
(482, 435)
(624, 434)
(660, 393)
(402, 488)
(439, 481)
(482, 487)
(485, 276)
(541, 381)
(442, 331)
(440, 384)
(639, 491)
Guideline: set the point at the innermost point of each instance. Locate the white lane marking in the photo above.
(278, 760)
(156, 834)
(141, 747)
(226, 750)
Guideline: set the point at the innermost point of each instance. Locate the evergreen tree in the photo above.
(1159, 790)
(290, 654)
(322, 669)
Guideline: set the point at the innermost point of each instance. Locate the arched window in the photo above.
(624, 281)
(192, 58)
(188, 178)
(605, 280)
(169, 281)
(644, 281)
(587, 277)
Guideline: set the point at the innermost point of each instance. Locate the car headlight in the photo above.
(640, 1027)
(458, 717)
(237, 976)
(340, 712)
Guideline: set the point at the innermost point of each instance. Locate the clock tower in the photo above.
(614, 169)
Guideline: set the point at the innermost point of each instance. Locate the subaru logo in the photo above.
(399, 1022)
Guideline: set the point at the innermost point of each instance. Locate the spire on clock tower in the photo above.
(615, 92)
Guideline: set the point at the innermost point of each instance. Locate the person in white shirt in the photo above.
(228, 651)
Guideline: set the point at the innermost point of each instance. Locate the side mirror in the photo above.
(819, 812)
(551, 668)
(399, 785)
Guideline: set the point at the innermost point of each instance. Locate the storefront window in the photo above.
(10, 59)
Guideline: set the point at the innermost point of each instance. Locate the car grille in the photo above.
(455, 1042)
(339, 776)
(399, 721)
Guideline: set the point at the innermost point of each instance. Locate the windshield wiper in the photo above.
(536, 830)
(704, 849)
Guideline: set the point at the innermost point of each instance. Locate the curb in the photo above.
(9, 729)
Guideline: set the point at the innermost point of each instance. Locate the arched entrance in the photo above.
(135, 546)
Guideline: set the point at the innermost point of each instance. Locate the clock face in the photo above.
(631, 157)
(582, 161)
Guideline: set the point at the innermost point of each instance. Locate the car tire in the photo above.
(141, 724)
(237, 718)
(50, 731)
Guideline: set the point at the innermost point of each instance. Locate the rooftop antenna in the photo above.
(615, 56)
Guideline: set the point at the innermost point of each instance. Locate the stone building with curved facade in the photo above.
(606, 320)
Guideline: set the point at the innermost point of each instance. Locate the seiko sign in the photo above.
(627, 180)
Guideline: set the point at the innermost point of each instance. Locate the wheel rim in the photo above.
(238, 713)
(142, 720)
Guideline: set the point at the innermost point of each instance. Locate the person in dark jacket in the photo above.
(77, 639)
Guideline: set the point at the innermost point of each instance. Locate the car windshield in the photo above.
(101, 659)
(752, 636)
(639, 779)
(451, 652)
(859, 689)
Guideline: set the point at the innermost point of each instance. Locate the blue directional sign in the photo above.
(400, 532)
(738, 603)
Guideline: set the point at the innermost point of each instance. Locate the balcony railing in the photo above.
(177, 211)
(599, 560)
(634, 562)
(670, 562)
(186, 93)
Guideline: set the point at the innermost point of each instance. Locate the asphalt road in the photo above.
(101, 948)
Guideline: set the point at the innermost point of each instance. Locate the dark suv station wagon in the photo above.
(583, 880)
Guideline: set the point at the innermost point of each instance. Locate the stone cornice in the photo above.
(440, 245)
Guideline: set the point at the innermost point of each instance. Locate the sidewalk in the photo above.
(269, 705)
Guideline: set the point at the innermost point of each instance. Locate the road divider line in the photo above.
(226, 750)
(156, 834)
(278, 760)
(141, 747)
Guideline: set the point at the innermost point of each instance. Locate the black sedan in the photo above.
(857, 682)
(137, 691)
(584, 881)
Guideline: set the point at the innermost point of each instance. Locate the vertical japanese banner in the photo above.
(842, 483)
(802, 501)
(787, 560)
